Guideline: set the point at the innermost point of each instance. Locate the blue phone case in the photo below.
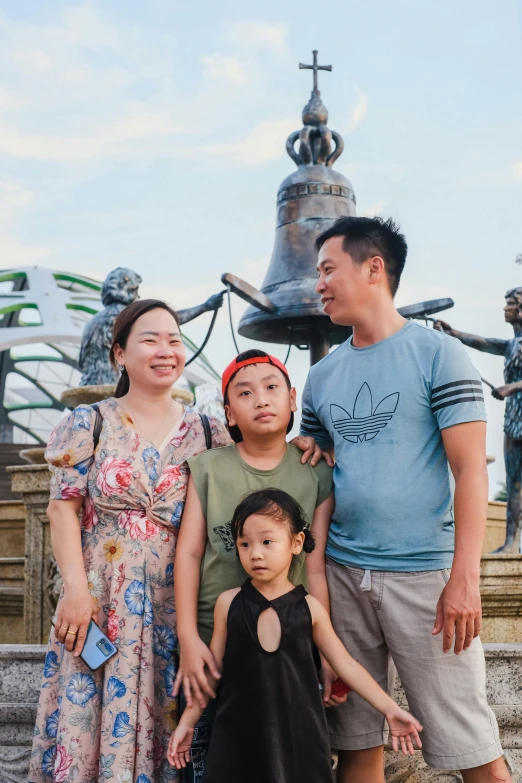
(97, 648)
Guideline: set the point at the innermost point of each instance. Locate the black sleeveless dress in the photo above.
(270, 724)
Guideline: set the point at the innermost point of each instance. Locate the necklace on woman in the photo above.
(161, 428)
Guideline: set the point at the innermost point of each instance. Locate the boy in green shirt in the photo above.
(259, 404)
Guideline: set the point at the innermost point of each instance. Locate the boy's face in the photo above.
(259, 401)
(266, 547)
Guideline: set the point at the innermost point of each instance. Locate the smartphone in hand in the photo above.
(97, 648)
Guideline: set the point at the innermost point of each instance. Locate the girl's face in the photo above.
(266, 547)
(154, 355)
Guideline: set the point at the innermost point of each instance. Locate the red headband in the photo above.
(234, 366)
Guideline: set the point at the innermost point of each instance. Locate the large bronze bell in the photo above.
(287, 309)
(308, 201)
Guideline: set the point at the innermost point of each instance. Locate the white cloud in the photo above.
(60, 103)
(13, 195)
(251, 35)
(115, 138)
(265, 142)
(517, 170)
(15, 253)
(359, 112)
(229, 69)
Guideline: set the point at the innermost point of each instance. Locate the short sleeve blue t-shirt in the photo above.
(383, 408)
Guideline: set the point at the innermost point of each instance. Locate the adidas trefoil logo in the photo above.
(366, 423)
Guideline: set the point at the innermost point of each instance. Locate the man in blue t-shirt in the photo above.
(403, 407)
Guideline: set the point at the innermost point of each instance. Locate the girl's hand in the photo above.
(328, 676)
(74, 612)
(194, 658)
(404, 729)
(178, 752)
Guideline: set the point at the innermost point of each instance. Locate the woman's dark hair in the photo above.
(122, 328)
(253, 353)
(275, 504)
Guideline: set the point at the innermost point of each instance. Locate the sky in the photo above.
(152, 135)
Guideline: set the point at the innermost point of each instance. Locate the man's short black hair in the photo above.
(364, 237)
(252, 353)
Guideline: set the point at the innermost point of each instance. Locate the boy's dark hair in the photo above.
(276, 504)
(364, 237)
(253, 353)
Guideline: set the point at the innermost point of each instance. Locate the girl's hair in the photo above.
(278, 505)
(252, 353)
(122, 329)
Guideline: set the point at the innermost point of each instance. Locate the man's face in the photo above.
(343, 284)
(512, 311)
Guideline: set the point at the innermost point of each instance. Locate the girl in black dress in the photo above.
(270, 725)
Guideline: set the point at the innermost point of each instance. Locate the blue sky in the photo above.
(152, 135)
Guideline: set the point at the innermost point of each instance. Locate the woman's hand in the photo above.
(404, 729)
(194, 658)
(74, 612)
(178, 752)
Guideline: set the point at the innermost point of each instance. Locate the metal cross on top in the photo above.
(315, 68)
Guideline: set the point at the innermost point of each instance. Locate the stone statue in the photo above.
(511, 391)
(119, 289)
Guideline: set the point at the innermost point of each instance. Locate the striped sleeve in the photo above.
(457, 395)
(311, 425)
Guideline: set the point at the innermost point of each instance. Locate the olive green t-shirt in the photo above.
(222, 479)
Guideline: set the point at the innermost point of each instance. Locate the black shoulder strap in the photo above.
(98, 424)
(206, 429)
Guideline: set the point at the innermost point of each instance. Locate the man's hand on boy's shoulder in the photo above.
(312, 451)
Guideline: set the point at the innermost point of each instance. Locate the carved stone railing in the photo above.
(12, 562)
(21, 672)
(31, 482)
(504, 675)
(501, 593)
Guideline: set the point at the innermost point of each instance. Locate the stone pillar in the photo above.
(12, 561)
(501, 593)
(32, 483)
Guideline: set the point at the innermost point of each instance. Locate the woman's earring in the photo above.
(122, 367)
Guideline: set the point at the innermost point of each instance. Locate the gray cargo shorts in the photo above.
(391, 624)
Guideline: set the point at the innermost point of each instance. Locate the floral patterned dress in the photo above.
(114, 724)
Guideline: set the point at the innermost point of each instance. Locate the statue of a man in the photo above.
(119, 289)
(511, 391)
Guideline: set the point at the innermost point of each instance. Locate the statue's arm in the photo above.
(484, 344)
(212, 303)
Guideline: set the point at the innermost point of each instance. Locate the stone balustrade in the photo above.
(21, 672)
(31, 482)
(12, 564)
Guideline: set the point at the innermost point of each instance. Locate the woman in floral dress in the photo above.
(117, 566)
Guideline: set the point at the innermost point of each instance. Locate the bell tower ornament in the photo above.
(308, 201)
